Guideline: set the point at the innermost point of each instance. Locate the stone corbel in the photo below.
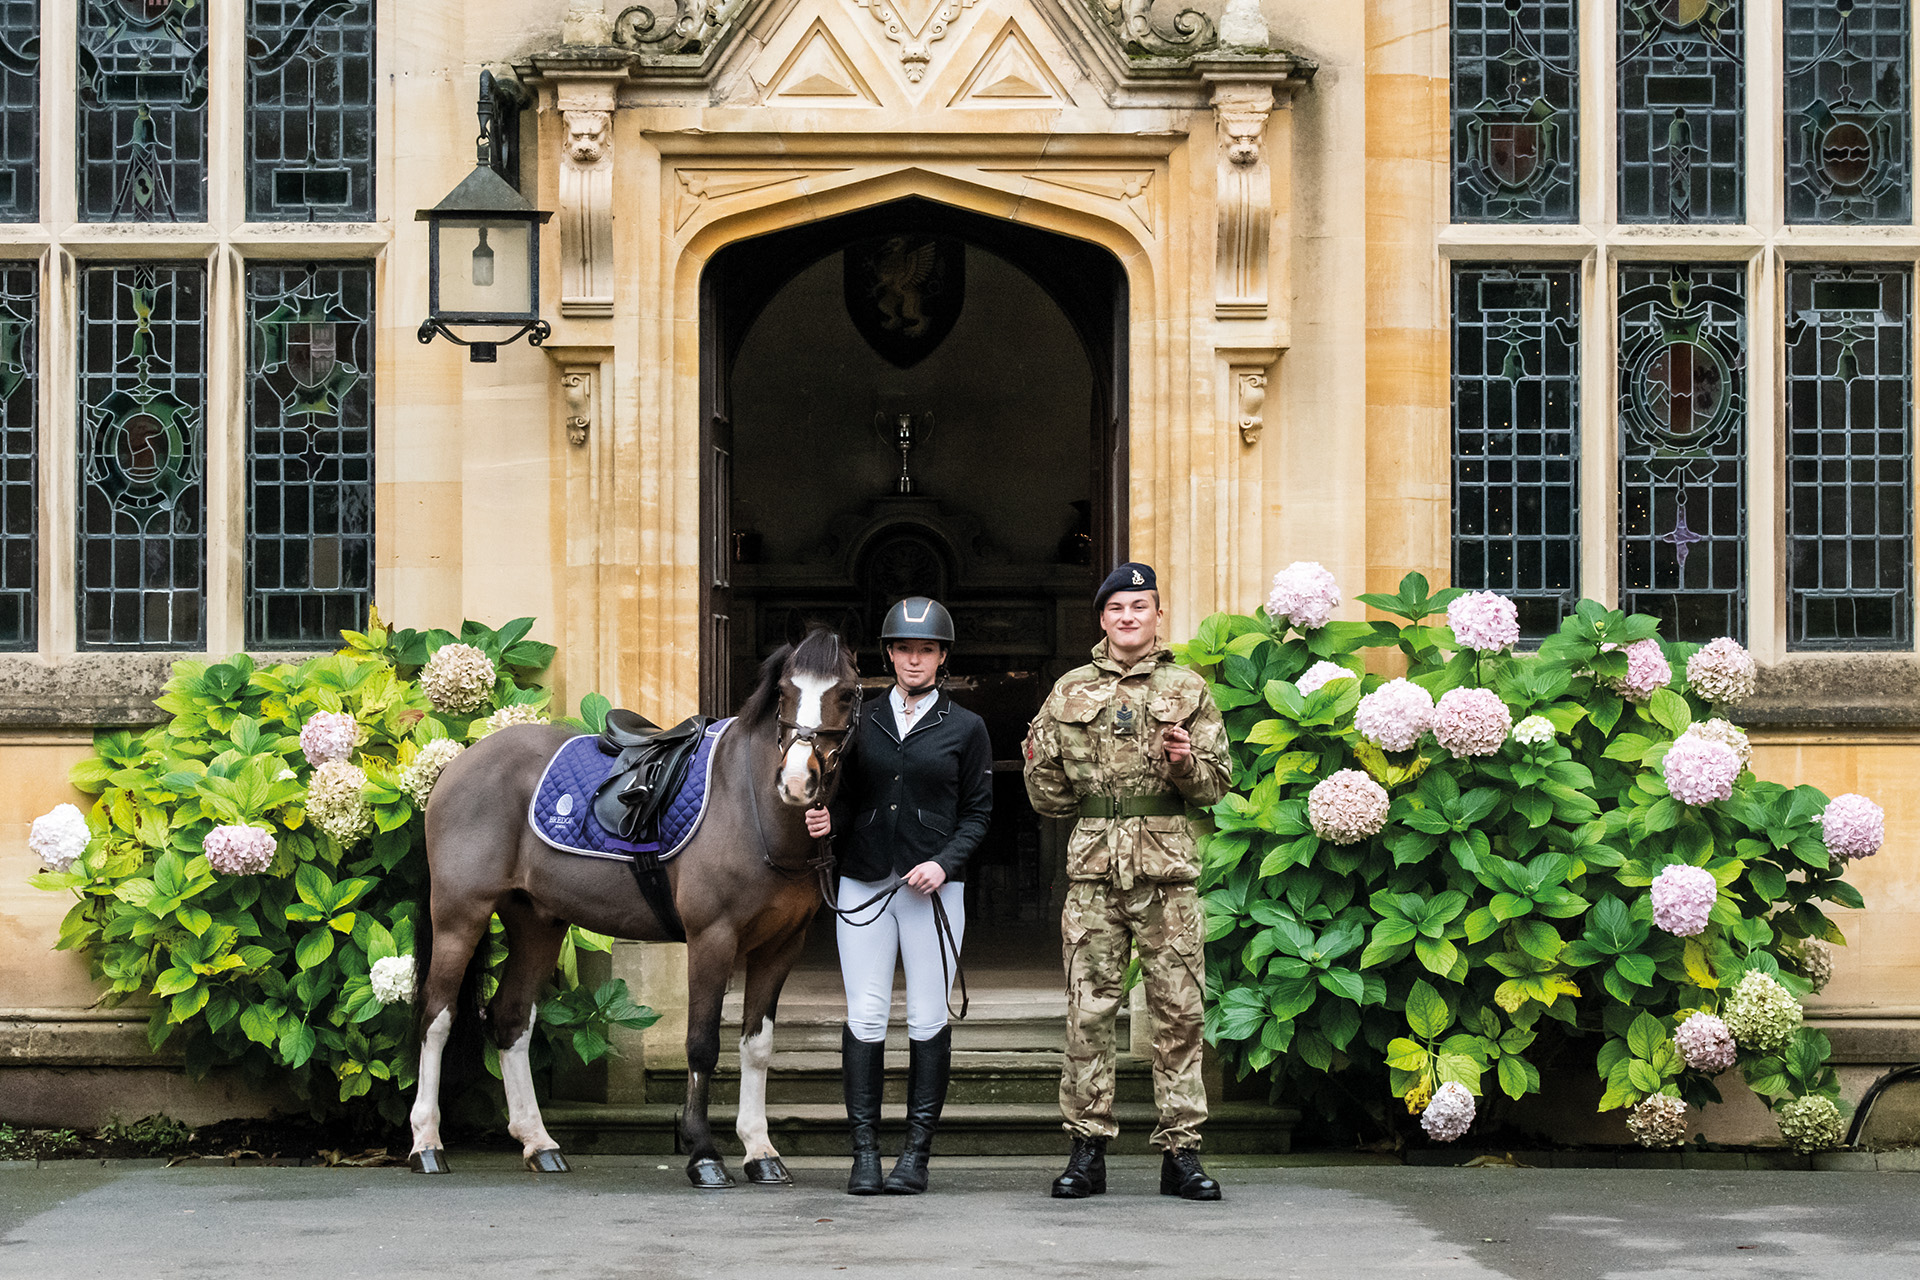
(1247, 372)
(1245, 199)
(576, 383)
(586, 200)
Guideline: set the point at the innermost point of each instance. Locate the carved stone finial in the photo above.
(1188, 33)
(587, 24)
(693, 24)
(1243, 26)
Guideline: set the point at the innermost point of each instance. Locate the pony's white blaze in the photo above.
(756, 1054)
(794, 779)
(523, 1111)
(425, 1116)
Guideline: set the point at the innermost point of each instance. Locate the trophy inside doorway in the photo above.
(904, 432)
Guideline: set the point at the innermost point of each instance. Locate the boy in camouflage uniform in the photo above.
(1126, 744)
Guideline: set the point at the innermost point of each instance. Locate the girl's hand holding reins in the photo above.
(819, 823)
(926, 878)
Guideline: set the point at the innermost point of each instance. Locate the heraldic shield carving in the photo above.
(306, 344)
(904, 293)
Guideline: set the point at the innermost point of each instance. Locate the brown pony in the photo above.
(744, 886)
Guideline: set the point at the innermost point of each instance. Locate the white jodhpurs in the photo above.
(905, 928)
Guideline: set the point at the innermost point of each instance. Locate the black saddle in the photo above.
(650, 764)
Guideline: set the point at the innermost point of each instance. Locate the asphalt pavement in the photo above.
(636, 1217)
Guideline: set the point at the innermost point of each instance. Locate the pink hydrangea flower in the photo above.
(1722, 671)
(1395, 716)
(1484, 621)
(1706, 1044)
(1321, 674)
(1347, 806)
(1450, 1113)
(1682, 897)
(1700, 770)
(329, 735)
(1853, 826)
(239, 851)
(1471, 722)
(1304, 596)
(1647, 670)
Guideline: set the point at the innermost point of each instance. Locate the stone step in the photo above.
(980, 1128)
(985, 1076)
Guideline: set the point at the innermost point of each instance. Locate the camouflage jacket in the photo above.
(1073, 750)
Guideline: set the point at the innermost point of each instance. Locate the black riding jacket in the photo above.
(902, 803)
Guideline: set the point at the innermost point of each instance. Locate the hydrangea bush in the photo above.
(1426, 886)
(255, 866)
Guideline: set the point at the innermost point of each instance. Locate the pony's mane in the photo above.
(821, 653)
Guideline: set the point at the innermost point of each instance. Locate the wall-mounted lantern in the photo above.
(483, 252)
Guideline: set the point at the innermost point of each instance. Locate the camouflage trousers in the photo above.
(1101, 919)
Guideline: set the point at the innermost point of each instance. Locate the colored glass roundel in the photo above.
(1515, 110)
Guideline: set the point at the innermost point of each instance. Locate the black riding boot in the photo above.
(929, 1065)
(863, 1072)
(1086, 1173)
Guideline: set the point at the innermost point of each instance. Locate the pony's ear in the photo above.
(766, 687)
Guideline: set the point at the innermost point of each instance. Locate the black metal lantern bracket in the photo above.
(487, 201)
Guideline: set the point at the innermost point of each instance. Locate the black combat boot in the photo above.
(1086, 1173)
(929, 1066)
(863, 1072)
(1181, 1175)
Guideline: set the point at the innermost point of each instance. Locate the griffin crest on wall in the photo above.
(904, 293)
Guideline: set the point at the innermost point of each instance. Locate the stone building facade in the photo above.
(1217, 294)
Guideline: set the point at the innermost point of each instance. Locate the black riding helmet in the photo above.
(918, 618)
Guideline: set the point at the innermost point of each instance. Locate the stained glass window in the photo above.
(1516, 450)
(142, 130)
(1849, 110)
(1682, 104)
(310, 110)
(1683, 448)
(142, 535)
(1849, 430)
(19, 110)
(19, 456)
(1515, 110)
(309, 453)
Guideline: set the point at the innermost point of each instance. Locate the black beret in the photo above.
(1127, 577)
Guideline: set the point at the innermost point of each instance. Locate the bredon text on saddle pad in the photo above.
(561, 812)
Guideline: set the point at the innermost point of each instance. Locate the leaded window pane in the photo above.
(1682, 108)
(1849, 109)
(1515, 110)
(1516, 441)
(142, 537)
(1849, 458)
(19, 110)
(310, 110)
(19, 456)
(1683, 442)
(309, 453)
(142, 131)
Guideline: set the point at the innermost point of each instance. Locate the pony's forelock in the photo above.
(820, 653)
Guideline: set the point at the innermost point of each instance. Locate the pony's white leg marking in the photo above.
(793, 773)
(523, 1112)
(425, 1116)
(756, 1053)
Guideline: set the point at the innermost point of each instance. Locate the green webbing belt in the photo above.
(1157, 806)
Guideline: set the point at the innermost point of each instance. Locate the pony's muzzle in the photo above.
(800, 775)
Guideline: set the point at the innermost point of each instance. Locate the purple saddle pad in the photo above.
(561, 812)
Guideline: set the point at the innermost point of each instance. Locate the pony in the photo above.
(745, 886)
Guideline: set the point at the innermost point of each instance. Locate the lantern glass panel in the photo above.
(486, 268)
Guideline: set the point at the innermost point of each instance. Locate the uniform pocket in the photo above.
(866, 819)
(1174, 706)
(934, 822)
(1178, 926)
(1166, 850)
(1089, 856)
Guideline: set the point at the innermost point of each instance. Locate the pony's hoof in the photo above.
(428, 1160)
(769, 1172)
(548, 1160)
(709, 1175)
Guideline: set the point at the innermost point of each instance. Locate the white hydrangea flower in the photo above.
(518, 713)
(458, 679)
(417, 779)
(1534, 731)
(59, 836)
(392, 979)
(337, 803)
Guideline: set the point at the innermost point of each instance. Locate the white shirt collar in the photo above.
(921, 707)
